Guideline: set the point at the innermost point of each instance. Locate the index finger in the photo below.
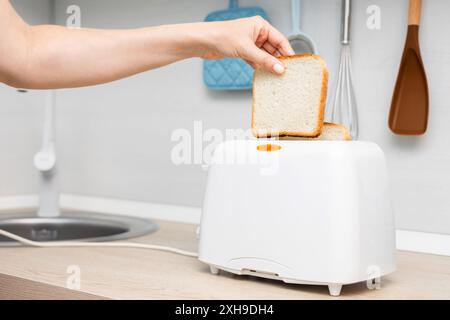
(279, 41)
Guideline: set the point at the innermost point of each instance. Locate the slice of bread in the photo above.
(330, 132)
(292, 104)
(334, 131)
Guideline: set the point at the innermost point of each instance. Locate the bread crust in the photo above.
(347, 136)
(322, 102)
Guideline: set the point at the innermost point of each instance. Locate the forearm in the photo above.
(58, 57)
(49, 57)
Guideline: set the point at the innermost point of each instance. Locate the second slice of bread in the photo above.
(334, 131)
(330, 132)
(292, 104)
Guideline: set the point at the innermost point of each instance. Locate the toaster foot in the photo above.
(214, 270)
(335, 289)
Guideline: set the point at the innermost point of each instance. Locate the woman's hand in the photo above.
(252, 39)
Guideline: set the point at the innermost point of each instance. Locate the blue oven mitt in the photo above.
(230, 73)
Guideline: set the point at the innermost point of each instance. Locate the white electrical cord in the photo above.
(65, 244)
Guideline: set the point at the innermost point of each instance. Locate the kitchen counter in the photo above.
(117, 273)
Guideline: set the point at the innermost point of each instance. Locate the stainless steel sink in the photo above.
(74, 226)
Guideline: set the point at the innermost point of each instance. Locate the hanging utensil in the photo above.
(300, 42)
(343, 109)
(230, 73)
(410, 102)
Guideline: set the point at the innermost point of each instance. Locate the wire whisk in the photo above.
(343, 109)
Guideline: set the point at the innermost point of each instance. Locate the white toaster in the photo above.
(306, 212)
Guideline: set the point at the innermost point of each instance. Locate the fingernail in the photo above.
(278, 68)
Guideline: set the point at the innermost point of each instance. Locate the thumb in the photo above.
(265, 60)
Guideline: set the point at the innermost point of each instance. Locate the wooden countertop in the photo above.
(116, 273)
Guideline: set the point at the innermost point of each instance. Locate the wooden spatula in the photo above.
(409, 109)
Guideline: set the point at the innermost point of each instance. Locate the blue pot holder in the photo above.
(230, 73)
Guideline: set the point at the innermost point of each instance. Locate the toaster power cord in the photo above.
(66, 244)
